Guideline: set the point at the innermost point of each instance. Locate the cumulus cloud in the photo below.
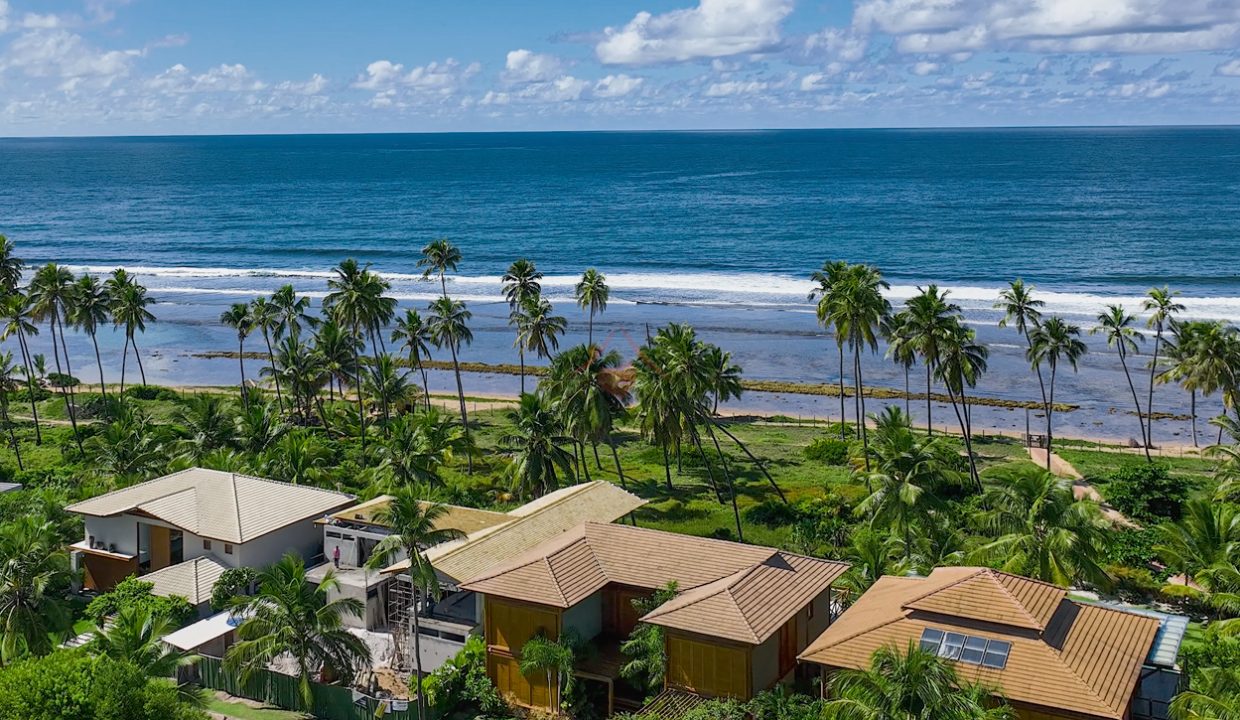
(713, 29)
(314, 86)
(1231, 68)
(524, 66)
(224, 78)
(614, 86)
(441, 78)
(947, 26)
(735, 87)
(61, 54)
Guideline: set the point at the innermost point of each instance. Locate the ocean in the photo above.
(719, 229)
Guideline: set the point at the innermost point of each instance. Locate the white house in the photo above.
(181, 531)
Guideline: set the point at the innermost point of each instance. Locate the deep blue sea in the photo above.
(715, 228)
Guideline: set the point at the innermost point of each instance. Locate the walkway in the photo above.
(1081, 490)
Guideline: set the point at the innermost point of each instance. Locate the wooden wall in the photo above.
(507, 626)
(708, 667)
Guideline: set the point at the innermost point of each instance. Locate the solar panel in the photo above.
(997, 654)
(931, 639)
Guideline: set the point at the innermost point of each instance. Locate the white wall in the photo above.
(303, 538)
(121, 531)
(586, 617)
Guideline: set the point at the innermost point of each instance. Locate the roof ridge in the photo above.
(1019, 603)
(813, 648)
(1058, 655)
(236, 504)
(555, 581)
(739, 610)
(940, 588)
(272, 481)
(503, 569)
(689, 602)
(989, 574)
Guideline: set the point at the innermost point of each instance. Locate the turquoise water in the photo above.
(719, 229)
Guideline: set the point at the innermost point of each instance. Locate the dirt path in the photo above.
(1081, 490)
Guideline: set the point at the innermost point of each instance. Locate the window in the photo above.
(931, 639)
(997, 654)
(206, 544)
(228, 549)
(953, 643)
(974, 649)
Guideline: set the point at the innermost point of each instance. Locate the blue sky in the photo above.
(154, 67)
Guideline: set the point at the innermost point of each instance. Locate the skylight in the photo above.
(966, 648)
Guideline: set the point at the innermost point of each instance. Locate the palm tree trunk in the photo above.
(710, 473)
(426, 388)
(17, 450)
(966, 427)
(929, 424)
(667, 465)
(361, 404)
(64, 347)
(34, 406)
(245, 399)
(865, 438)
(843, 413)
(521, 354)
(460, 394)
(417, 651)
(754, 458)
(1192, 409)
(1145, 441)
(1149, 401)
(594, 446)
(611, 442)
(1038, 368)
(1050, 409)
(138, 356)
(727, 473)
(124, 360)
(271, 359)
(908, 395)
(94, 339)
(585, 464)
(64, 394)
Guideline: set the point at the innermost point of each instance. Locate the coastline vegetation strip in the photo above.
(764, 386)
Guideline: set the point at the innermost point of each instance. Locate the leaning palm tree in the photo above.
(237, 317)
(962, 362)
(1023, 311)
(449, 327)
(592, 294)
(1162, 307)
(293, 617)
(535, 447)
(538, 330)
(909, 684)
(265, 317)
(130, 309)
(1121, 335)
(1055, 341)
(414, 336)
(14, 311)
(50, 295)
(829, 279)
(416, 526)
(88, 310)
(8, 384)
(438, 257)
(34, 577)
(1041, 530)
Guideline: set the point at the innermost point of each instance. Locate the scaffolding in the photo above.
(402, 599)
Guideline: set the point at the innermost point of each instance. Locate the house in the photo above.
(490, 539)
(743, 614)
(1050, 656)
(183, 530)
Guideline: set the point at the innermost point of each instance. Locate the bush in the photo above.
(1132, 547)
(839, 430)
(461, 684)
(23, 394)
(1146, 491)
(828, 450)
(152, 392)
(772, 513)
(1134, 584)
(1215, 649)
(132, 592)
(233, 582)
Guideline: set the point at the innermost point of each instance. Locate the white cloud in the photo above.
(224, 78)
(1142, 26)
(4, 15)
(60, 54)
(315, 85)
(735, 87)
(812, 82)
(837, 44)
(924, 68)
(1231, 68)
(379, 73)
(524, 66)
(713, 29)
(437, 78)
(614, 86)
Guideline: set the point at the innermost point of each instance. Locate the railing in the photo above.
(331, 702)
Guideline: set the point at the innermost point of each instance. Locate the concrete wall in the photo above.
(586, 617)
(121, 530)
(303, 538)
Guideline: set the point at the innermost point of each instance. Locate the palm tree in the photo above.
(535, 447)
(14, 310)
(206, 425)
(298, 458)
(135, 635)
(907, 471)
(414, 337)
(521, 283)
(724, 376)
(88, 310)
(1206, 536)
(871, 555)
(292, 312)
(339, 350)
(1215, 695)
(438, 257)
(8, 384)
(1121, 335)
(1201, 360)
(260, 427)
(1041, 530)
(265, 317)
(645, 647)
(421, 444)
(1162, 307)
(901, 349)
(291, 616)
(556, 658)
(237, 317)
(388, 385)
(449, 327)
(303, 373)
(589, 393)
(858, 310)
(10, 266)
(538, 330)
(34, 575)
(908, 684)
(828, 279)
(49, 300)
(348, 305)
(962, 361)
(930, 317)
(1023, 311)
(592, 294)
(130, 309)
(1052, 342)
(416, 526)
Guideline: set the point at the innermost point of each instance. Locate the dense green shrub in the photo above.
(839, 430)
(772, 513)
(1146, 491)
(132, 592)
(233, 582)
(460, 687)
(1132, 547)
(1134, 583)
(828, 450)
(152, 392)
(1215, 649)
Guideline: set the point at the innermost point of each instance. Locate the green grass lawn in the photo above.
(242, 711)
(1098, 465)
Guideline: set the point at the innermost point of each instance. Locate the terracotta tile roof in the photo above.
(750, 605)
(218, 505)
(1075, 657)
(193, 579)
(548, 517)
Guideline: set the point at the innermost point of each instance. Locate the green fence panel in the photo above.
(331, 702)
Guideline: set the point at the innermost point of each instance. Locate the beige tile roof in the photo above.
(729, 590)
(218, 505)
(1073, 657)
(750, 605)
(548, 517)
(193, 579)
(465, 519)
